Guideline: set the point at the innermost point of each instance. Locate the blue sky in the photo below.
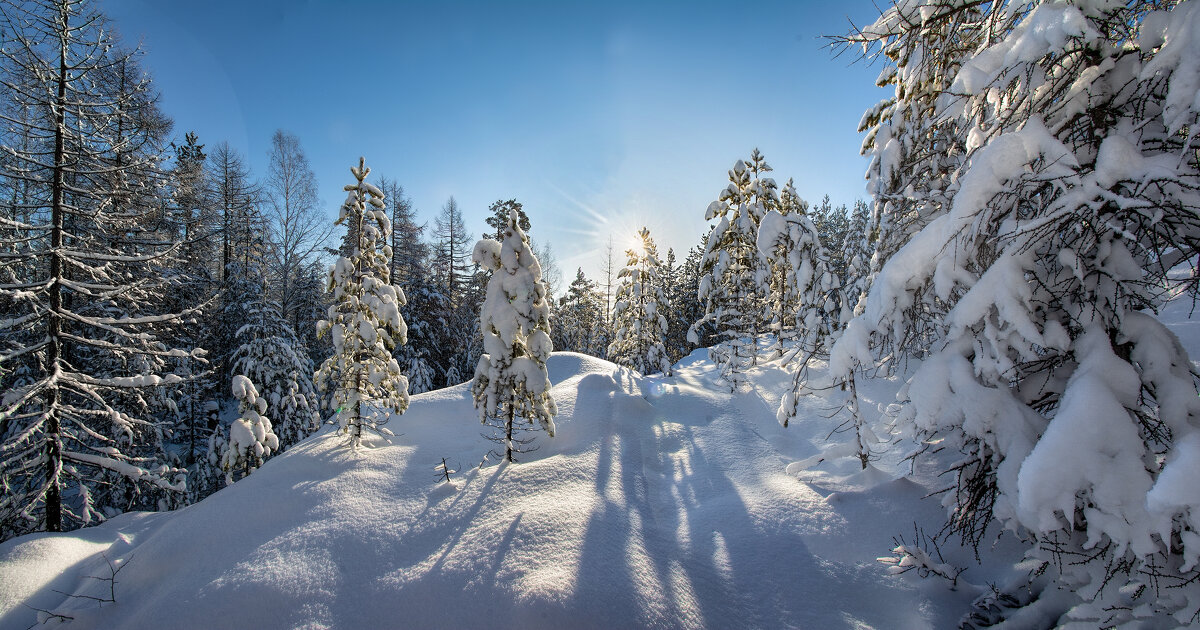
(599, 117)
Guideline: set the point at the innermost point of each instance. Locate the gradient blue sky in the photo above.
(599, 117)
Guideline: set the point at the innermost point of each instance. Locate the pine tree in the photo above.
(675, 340)
(640, 312)
(832, 224)
(194, 212)
(423, 358)
(857, 249)
(364, 320)
(734, 283)
(1030, 281)
(497, 218)
(510, 381)
(802, 284)
(577, 322)
(85, 305)
(913, 149)
(270, 354)
(690, 308)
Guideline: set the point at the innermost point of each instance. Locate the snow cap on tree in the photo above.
(364, 320)
(251, 439)
(510, 380)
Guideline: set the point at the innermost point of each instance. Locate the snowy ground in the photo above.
(662, 502)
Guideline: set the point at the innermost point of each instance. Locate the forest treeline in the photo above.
(144, 270)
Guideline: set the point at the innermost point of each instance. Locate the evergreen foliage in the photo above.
(640, 312)
(578, 319)
(1041, 157)
(510, 382)
(733, 286)
(364, 322)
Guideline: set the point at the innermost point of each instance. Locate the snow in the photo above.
(1091, 449)
(661, 502)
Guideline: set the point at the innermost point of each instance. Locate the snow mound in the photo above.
(661, 503)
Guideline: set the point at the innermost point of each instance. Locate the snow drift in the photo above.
(662, 502)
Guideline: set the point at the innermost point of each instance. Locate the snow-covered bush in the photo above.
(510, 380)
(364, 320)
(251, 439)
(1057, 161)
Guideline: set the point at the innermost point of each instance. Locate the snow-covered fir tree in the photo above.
(801, 284)
(675, 341)
(639, 316)
(364, 321)
(856, 251)
(734, 285)
(1031, 281)
(429, 333)
(684, 298)
(85, 261)
(510, 383)
(270, 354)
(251, 439)
(195, 221)
(577, 322)
(913, 150)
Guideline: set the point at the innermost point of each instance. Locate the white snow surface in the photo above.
(661, 502)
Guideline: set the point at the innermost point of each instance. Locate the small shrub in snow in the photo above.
(251, 439)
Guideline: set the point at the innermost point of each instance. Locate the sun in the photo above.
(633, 242)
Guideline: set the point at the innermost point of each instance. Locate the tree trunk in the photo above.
(53, 347)
(508, 432)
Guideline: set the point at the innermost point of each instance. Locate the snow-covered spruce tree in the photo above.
(804, 285)
(1072, 408)
(675, 340)
(425, 314)
(270, 354)
(734, 285)
(857, 250)
(640, 312)
(914, 151)
(510, 381)
(578, 321)
(364, 320)
(82, 309)
(801, 284)
(195, 220)
(683, 295)
(251, 438)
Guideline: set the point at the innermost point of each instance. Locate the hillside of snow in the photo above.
(662, 502)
